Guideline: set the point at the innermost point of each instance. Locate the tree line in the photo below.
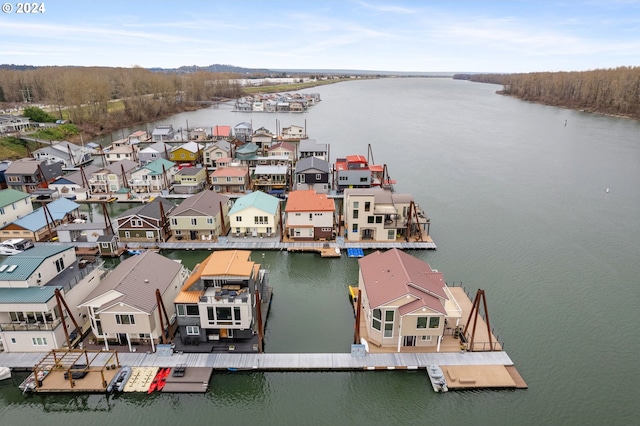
(613, 91)
(100, 99)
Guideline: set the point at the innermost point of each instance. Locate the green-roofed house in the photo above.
(13, 205)
(30, 315)
(255, 215)
(153, 177)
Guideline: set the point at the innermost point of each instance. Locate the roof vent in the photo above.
(12, 268)
(3, 267)
(146, 280)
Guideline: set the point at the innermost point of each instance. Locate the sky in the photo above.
(401, 35)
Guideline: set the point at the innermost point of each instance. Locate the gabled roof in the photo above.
(76, 177)
(155, 167)
(24, 166)
(395, 274)
(10, 196)
(257, 199)
(310, 163)
(37, 219)
(309, 201)
(134, 282)
(151, 209)
(205, 203)
(162, 130)
(158, 147)
(243, 125)
(189, 146)
(223, 263)
(247, 148)
(222, 144)
(190, 171)
(28, 261)
(282, 145)
(116, 168)
(230, 172)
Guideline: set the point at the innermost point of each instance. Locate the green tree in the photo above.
(38, 115)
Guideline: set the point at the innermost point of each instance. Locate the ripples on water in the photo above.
(518, 208)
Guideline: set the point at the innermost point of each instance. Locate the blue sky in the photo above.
(402, 35)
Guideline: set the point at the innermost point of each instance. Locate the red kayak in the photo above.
(158, 379)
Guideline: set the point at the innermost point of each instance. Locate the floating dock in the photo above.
(355, 252)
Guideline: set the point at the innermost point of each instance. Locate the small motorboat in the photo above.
(134, 252)
(5, 373)
(8, 251)
(120, 379)
(436, 376)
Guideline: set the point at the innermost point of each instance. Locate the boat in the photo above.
(5, 373)
(8, 251)
(161, 376)
(436, 376)
(134, 252)
(120, 379)
(29, 384)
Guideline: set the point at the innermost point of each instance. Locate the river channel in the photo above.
(536, 205)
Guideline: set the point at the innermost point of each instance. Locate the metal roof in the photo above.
(10, 196)
(28, 261)
(27, 294)
(37, 220)
(259, 200)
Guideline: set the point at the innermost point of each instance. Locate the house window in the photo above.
(421, 322)
(150, 235)
(127, 234)
(1, 210)
(240, 179)
(356, 204)
(376, 321)
(223, 313)
(136, 223)
(318, 177)
(354, 228)
(370, 219)
(260, 220)
(425, 338)
(364, 179)
(174, 221)
(378, 219)
(228, 179)
(388, 323)
(367, 206)
(355, 214)
(238, 218)
(434, 322)
(182, 156)
(236, 315)
(39, 341)
(209, 220)
(59, 264)
(193, 330)
(391, 234)
(193, 311)
(104, 245)
(300, 178)
(180, 310)
(215, 179)
(194, 221)
(125, 319)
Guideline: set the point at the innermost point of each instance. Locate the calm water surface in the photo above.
(519, 208)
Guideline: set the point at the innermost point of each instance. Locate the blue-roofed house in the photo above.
(255, 215)
(247, 154)
(31, 317)
(13, 205)
(40, 225)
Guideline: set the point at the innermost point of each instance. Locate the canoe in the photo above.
(162, 375)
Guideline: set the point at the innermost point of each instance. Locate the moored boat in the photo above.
(436, 376)
(5, 373)
(120, 379)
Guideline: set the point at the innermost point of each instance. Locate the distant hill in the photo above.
(212, 68)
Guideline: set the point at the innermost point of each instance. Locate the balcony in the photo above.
(30, 326)
(217, 296)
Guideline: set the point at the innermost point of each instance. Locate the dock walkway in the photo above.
(285, 361)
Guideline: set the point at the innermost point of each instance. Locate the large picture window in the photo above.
(192, 311)
(434, 322)
(192, 330)
(125, 319)
(422, 322)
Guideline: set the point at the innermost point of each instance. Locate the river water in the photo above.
(517, 195)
